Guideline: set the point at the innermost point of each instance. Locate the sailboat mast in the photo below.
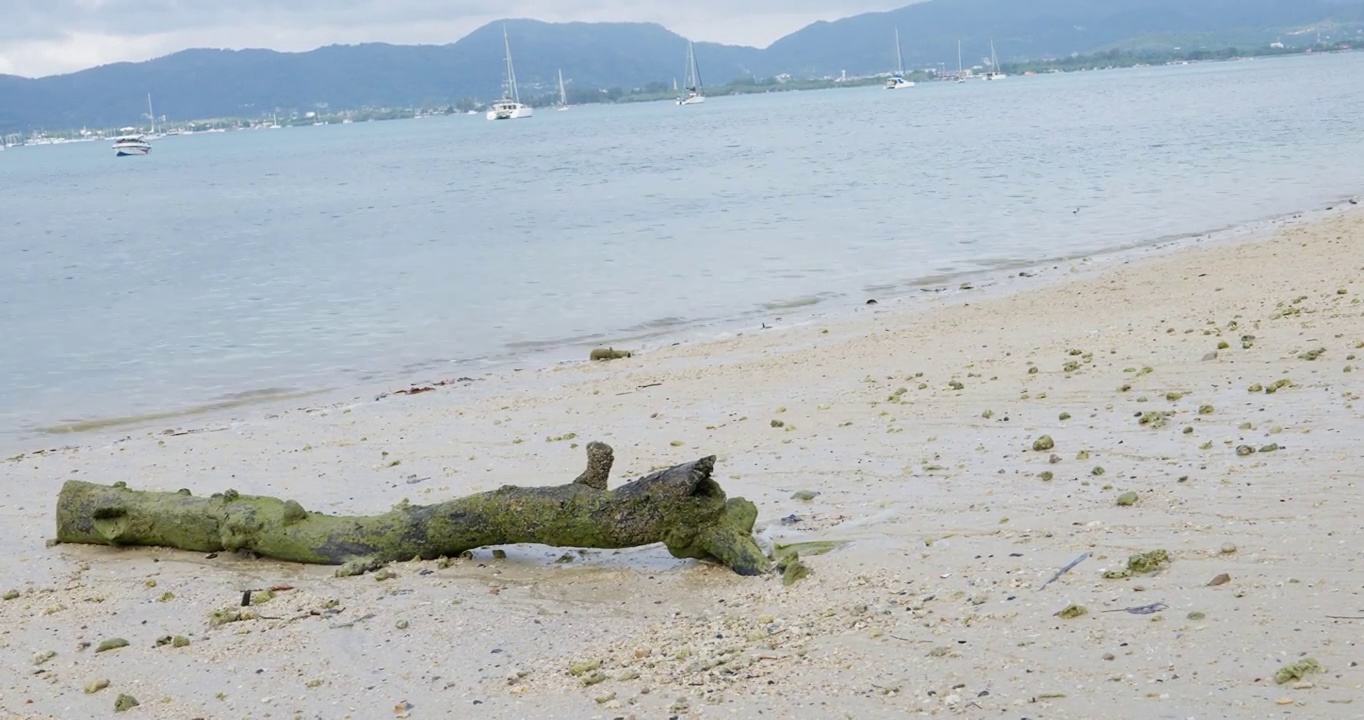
(899, 59)
(959, 57)
(563, 95)
(512, 93)
(151, 116)
(687, 77)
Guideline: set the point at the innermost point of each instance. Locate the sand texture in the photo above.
(1203, 402)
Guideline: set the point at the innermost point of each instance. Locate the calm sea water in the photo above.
(308, 257)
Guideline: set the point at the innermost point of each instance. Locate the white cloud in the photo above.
(43, 37)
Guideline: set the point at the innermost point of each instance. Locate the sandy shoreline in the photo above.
(946, 522)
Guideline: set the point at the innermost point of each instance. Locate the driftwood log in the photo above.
(682, 507)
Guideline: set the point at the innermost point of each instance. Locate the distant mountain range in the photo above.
(197, 84)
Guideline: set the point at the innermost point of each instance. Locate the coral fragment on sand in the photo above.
(1298, 670)
(1073, 611)
(1148, 562)
(609, 354)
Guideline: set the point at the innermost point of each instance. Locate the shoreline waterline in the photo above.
(536, 356)
(263, 397)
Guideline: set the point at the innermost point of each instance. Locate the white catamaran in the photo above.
(509, 107)
(694, 95)
(994, 73)
(563, 94)
(897, 80)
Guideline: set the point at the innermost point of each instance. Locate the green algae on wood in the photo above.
(682, 507)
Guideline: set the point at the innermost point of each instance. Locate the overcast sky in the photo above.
(44, 37)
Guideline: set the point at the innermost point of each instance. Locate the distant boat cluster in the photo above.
(897, 79)
(510, 106)
(130, 141)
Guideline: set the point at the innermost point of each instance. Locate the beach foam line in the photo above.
(254, 397)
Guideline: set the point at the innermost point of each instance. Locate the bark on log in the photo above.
(681, 507)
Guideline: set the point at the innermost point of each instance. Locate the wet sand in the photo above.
(914, 419)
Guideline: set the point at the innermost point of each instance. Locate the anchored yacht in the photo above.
(694, 95)
(509, 107)
(897, 80)
(131, 142)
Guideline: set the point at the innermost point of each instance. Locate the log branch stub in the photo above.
(599, 460)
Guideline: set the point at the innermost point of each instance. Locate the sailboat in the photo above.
(898, 81)
(994, 73)
(563, 94)
(961, 74)
(693, 80)
(509, 107)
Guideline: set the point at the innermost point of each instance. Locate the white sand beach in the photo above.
(914, 420)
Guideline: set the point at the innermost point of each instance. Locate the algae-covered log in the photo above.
(681, 507)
